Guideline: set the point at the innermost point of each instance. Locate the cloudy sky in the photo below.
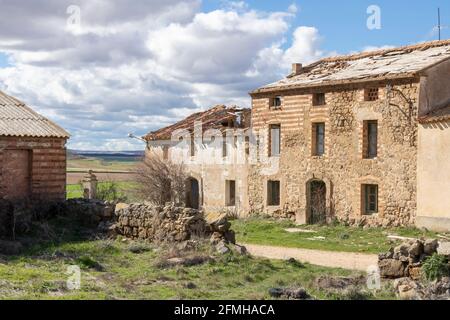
(105, 68)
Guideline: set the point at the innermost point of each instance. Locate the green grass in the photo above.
(41, 274)
(337, 238)
(126, 189)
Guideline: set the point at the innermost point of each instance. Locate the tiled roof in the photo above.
(18, 120)
(403, 62)
(442, 114)
(214, 118)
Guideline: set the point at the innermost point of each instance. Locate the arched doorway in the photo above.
(193, 194)
(317, 201)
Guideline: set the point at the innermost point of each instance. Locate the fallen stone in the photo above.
(222, 248)
(444, 248)
(240, 249)
(289, 293)
(430, 247)
(391, 268)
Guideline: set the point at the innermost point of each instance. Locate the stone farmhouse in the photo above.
(32, 154)
(362, 138)
(216, 163)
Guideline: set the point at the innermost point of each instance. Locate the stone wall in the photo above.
(159, 224)
(342, 167)
(47, 172)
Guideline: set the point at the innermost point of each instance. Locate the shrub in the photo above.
(435, 267)
(109, 191)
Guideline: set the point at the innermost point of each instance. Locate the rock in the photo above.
(386, 255)
(391, 268)
(289, 293)
(430, 247)
(190, 285)
(415, 272)
(120, 207)
(10, 247)
(230, 236)
(416, 249)
(222, 248)
(240, 249)
(401, 251)
(407, 289)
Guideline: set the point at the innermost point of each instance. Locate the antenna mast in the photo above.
(439, 22)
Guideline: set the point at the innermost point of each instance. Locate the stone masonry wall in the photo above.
(48, 165)
(342, 167)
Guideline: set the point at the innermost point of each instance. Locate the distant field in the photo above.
(126, 189)
(102, 164)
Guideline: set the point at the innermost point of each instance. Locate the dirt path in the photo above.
(345, 260)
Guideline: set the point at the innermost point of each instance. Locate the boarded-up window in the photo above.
(370, 138)
(230, 197)
(319, 99)
(273, 193)
(318, 139)
(275, 140)
(370, 198)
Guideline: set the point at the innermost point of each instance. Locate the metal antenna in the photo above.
(439, 22)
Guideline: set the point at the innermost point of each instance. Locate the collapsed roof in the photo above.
(219, 117)
(18, 120)
(403, 62)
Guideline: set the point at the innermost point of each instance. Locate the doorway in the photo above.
(317, 202)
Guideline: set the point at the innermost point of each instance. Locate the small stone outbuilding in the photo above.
(32, 154)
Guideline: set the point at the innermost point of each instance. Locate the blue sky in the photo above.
(343, 23)
(137, 68)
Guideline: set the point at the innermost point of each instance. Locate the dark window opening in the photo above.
(370, 145)
(318, 141)
(230, 193)
(192, 146)
(319, 99)
(275, 102)
(370, 196)
(275, 140)
(273, 193)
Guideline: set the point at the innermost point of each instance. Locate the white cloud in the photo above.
(137, 68)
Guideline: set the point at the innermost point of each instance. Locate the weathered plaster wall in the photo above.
(435, 89)
(212, 170)
(342, 168)
(433, 176)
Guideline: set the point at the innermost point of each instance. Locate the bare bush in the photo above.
(161, 181)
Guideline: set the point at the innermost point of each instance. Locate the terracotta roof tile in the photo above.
(215, 118)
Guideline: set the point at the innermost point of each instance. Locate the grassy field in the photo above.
(126, 190)
(119, 269)
(335, 238)
(100, 165)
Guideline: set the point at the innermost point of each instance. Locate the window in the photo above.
(318, 139)
(319, 99)
(370, 136)
(275, 140)
(224, 146)
(371, 94)
(275, 103)
(370, 197)
(273, 193)
(230, 196)
(192, 146)
(165, 152)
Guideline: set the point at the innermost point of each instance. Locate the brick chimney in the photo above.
(297, 68)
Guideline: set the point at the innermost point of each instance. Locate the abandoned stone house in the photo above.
(362, 138)
(32, 154)
(351, 144)
(214, 158)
